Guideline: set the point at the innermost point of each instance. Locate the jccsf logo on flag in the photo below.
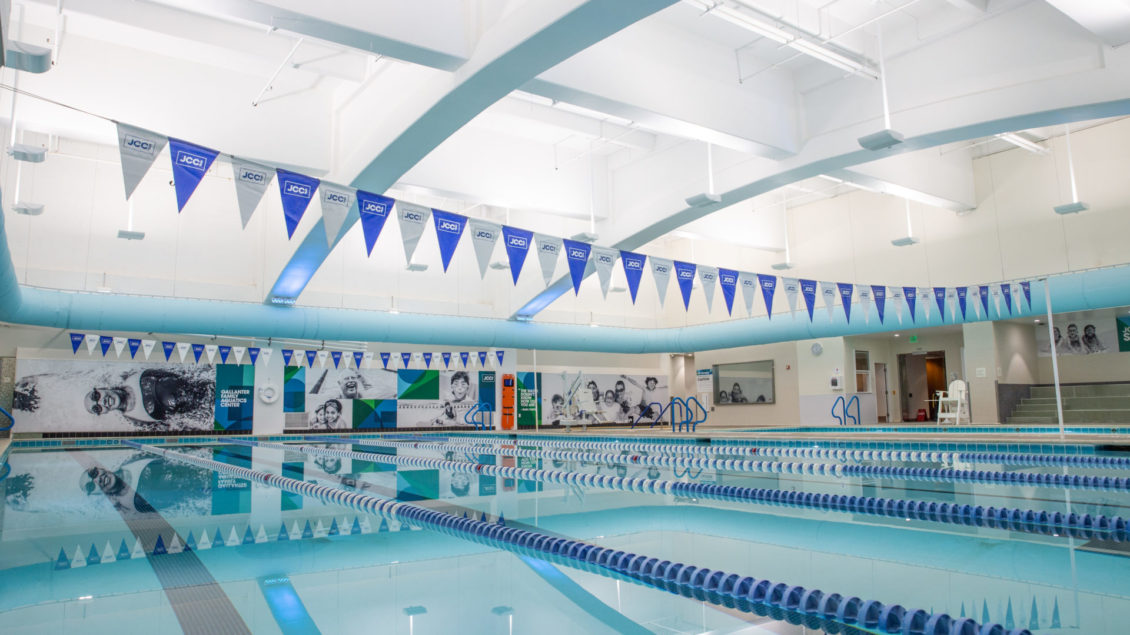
(140, 145)
(373, 207)
(297, 189)
(252, 176)
(192, 161)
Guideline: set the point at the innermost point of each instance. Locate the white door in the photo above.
(881, 393)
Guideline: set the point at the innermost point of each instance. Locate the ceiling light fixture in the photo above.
(909, 238)
(1022, 143)
(788, 263)
(886, 137)
(1075, 206)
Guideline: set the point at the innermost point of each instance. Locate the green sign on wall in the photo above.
(1124, 334)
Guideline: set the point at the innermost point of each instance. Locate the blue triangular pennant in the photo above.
(449, 229)
(446, 359)
(577, 255)
(384, 526)
(105, 341)
(1055, 615)
(464, 357)
(879, 292)
(288, 354)
(307, 532)
(427, 360)
(1009, 620)
(482, 359)
(962, 292)
(296, 191)
(310, 357)
(1026, 287)
(768, 285)
(808, 291)
(123, 551)
(374, 210)
(190, 542)
(385, 357)
(406, 358)
(93, 557)
(1006, 290)
(333, 528)
(845, 297)
(62, 562)
(224, 352)
(283, 534)
(218, 539)
(985, 619)
(517, 243)
(190, 162)
(1034, 616)
(684, 275)
(253, 353)
(499, 354)
(248, 537)
(336, 356)
(983, 293)
(169, 347)
(358, 358)
(633, 270)
(910, 294)
(159, 548)
(728, 279)
(356, 528)
(501, 520)
(197, 351)
(940, 298)
(76, 341)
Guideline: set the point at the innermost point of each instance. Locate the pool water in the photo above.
(261, 537)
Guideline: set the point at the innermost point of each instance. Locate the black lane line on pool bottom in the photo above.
(200, 604)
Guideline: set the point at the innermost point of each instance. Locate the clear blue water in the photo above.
(79, 529)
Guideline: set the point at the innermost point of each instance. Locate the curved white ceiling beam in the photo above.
(528, 41)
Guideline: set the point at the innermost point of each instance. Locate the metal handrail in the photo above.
(847, 407)
(11, 420)
(694, 424)
(658, 417)
(680, 419)
(838, 402)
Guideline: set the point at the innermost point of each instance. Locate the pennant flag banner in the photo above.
(983, 293)
(548, 248)
(427, 360)
(91, 342)
(879, 292)
(133, 346)
(251, 183)
(211, 350)
(322, 356)
(708, 276)
(446, 359)
(406, 358)
(484, 235)
(863, 292)
(182, 349)
(76, 341)
(924, 293)
(577, 255)
(951, 302)
(500, 355)
(310, 357)
(748, 283)
(138, 148)
(169, 347)
(911, 295)
(996, 291)
(940, 298)
(336, 356)
(337, 200)
(728, 280)
(449, 229)
(828, 293)
(374, 210)
(684, 276)
(1006, 290)
(224, 352)
(190, 163)
(661, 273)
(808, 292)
(896, 296)
(237, 352)
(105, 341)
(845, 298)
(296, 191)
(385, 357)
(1026, 288)
(633, 270)
(517, 243)
(464, 357)
(768, 286)
(483, 359)
(604, 259)
(287, 355)
(962, 292)
(792, 290)
(147, 347)
(197, 351)
(412, 220)
(367, 358)
(253, 354)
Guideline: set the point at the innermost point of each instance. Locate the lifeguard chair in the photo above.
(953, 403)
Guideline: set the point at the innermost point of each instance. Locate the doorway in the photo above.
(881, 408)
(921, 375)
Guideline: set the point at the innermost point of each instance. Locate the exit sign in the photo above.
(913, 339)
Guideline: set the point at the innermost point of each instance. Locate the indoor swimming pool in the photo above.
(562, 534)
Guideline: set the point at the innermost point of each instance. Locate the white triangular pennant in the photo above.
(120, 345)
(138, 148)
(147, 347)
(925, 299)
(322, 355)
(238, 352)
(894, 294)
(792, 289)
(412, 218)
(749, 285)
(603, 259)
(484, 235)
(661, 273)
(549, 247)
(210, 351)
(863, 292)
(708, 276)
(337, 201)
(91, 342)
(251, 182)
(183, 348)
(828, 293)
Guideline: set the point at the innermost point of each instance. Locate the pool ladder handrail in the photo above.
(11, 420)
(658, 417)
(692, 424)
(481, 423)
(845, 405)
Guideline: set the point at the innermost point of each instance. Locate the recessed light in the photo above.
(896, 334)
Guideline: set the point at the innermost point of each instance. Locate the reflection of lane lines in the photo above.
(200, 604)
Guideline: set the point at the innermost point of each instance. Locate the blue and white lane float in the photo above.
(831, 612)
(837, 470)
(720, 448)
(1085, 527)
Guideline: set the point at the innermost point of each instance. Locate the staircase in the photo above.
(1083, 403)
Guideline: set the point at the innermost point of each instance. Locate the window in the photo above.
(862, 371)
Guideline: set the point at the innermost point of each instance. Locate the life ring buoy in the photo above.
(268, 394)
